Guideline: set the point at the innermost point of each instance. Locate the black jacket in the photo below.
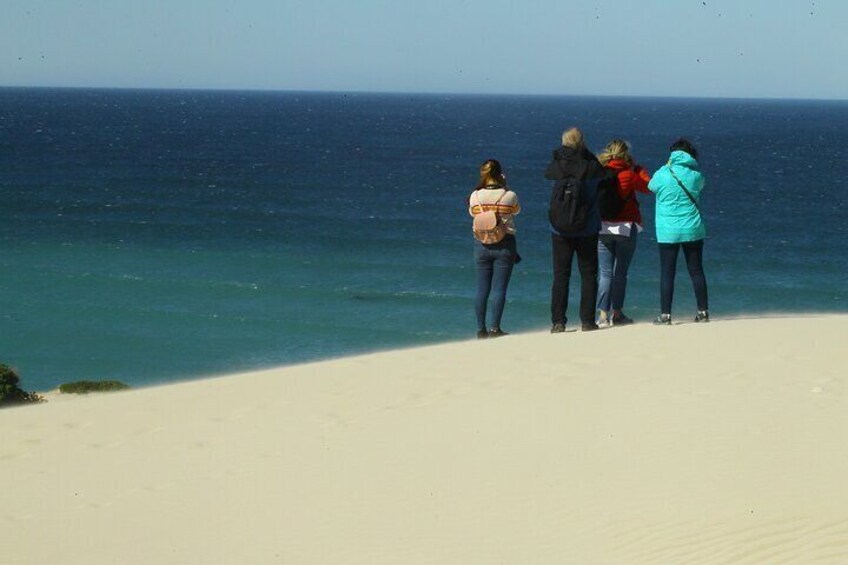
(566, 163)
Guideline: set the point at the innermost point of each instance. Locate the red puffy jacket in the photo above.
(631, 179)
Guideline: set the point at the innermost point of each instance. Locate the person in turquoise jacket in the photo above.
(680, 225)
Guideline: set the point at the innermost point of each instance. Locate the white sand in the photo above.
(718, 443)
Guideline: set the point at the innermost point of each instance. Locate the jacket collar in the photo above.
(618, 164)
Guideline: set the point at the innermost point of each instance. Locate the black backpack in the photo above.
(569, 206)
(610, 202)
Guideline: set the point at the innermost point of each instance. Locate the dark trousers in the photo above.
(693, 252)
(564, 249)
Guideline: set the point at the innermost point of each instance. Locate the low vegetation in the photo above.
(10, 391)
(83, 387)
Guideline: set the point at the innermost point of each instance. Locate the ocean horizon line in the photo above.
(394, 93)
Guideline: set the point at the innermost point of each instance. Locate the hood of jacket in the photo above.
(683, 159)
(570, 162)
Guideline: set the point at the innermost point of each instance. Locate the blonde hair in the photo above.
(615, 149)
(573, 137)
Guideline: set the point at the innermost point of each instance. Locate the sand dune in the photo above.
(716, 443)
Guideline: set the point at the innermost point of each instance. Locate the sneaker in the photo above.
(604, 318)
(497, 332)
(557, 328)
(663, 320)
(702, 316)
(621, 320)
(590, 327)
(482, 334)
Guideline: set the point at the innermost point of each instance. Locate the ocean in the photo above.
(157, 236)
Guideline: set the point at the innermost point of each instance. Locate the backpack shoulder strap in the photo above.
(497, 202)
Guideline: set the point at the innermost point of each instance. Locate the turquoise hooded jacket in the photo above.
(677, 218)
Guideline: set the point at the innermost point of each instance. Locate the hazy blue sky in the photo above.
(746, 48)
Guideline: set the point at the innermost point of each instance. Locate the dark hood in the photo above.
(569, 162)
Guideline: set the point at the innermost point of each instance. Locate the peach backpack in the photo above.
(488, 227)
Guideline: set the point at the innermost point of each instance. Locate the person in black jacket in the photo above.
(573, 161)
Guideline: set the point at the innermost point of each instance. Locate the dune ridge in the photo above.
(696, 443)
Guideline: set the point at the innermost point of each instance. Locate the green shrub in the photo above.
(10, 392)
(83, 387)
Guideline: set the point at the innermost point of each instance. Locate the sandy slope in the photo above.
(718, 443)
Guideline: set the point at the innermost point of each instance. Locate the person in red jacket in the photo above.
(619, 230)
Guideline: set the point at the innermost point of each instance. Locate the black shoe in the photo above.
(590, 327)
(663, 320)
(702, 316)
(557, 328)
(497, 332)
(482, 334)
(621, 320)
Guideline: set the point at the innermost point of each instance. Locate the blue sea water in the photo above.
(154, 236)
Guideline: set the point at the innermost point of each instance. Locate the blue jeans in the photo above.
(494, 269)
(614, 255)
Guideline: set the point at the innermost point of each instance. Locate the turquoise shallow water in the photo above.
(157, 236)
